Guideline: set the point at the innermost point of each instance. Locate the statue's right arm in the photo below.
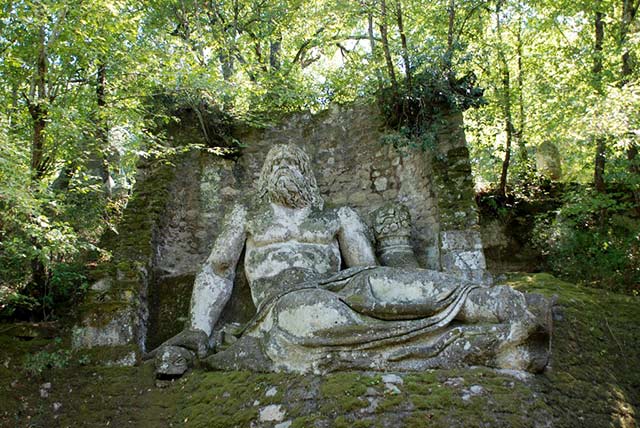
(214, 282)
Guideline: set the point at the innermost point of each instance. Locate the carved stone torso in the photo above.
(280, 239)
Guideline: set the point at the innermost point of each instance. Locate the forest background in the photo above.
(85, 88)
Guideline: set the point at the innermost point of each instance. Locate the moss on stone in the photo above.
(100, 355)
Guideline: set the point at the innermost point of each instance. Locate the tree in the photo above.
(54, 75)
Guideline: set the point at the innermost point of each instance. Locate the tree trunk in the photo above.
(275, 47)
(519, 133)
(39, 117)
(372, 42)
(385, 46)
(506, 88)
(38, 110)
(451, 12)
(506, 106)
(403, 40)
(629, 10)
(601, 147)
(102, 132)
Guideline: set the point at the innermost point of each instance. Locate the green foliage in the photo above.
(580, 246)
(40, 228)
(417, 111)
(36, 364)
(253, 62)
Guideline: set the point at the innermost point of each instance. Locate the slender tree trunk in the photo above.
(519, 134)
(226, 53)
(13, 109)
(38, 110)
(451, 12)
(39, 117)
(629, 11)
(403, 41)
(274, 53)
(601, 147)
(506, 105)
(102, 132)
(506, 109)
(38, 104)
(385, 46)
(372, 41)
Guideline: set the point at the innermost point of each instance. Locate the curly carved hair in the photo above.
(287, 178)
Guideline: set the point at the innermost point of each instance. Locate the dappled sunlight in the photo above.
(624, 414)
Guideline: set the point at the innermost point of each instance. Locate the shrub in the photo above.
(594, 239)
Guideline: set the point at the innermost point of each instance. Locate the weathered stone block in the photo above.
(461, 240)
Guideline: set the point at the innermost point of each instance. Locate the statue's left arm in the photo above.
(355, 245)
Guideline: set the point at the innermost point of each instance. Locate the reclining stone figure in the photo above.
(324, 304)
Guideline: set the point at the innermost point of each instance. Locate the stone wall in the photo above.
(352, 168)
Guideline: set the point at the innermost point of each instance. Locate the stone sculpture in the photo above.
(323, 302)
(392, 229)
(549, 161)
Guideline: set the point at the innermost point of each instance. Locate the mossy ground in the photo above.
(593, 381)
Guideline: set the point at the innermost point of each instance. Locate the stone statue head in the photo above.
(287, 178)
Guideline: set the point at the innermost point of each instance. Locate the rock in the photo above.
(271, 413)
(371, 392)
(172, 361)
(29, 330)
(472, 392)
(476, 389)
(455, 382)
(271, 392)
(380, 184)
(373, 405)
(44, 389)
(127, 360)
(392, 379)
(57, 406)
(102, 285)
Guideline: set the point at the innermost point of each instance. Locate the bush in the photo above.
(593, 239)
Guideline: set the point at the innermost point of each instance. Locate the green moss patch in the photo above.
(594, 378)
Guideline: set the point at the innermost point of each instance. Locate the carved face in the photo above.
(287, 178)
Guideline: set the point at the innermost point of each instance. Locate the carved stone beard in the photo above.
(287, 178)
(288, 187)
